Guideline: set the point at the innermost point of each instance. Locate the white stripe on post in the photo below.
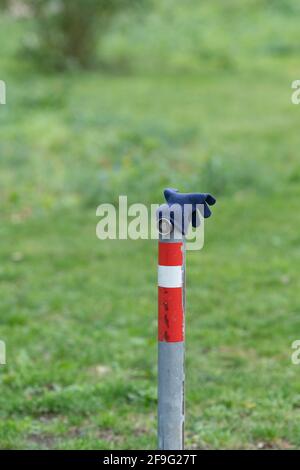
(170, 276)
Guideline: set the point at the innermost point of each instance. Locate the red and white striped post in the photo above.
(171, 301)
(173, 225)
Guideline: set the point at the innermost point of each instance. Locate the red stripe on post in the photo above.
(170, 314)
(170, 254)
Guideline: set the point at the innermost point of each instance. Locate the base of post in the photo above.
(170, 396)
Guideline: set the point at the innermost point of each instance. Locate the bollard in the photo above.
(173, 220)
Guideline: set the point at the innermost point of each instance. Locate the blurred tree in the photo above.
(66, 31)
(3, 4)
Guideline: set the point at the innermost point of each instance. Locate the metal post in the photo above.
(171, 312)
(171, 292)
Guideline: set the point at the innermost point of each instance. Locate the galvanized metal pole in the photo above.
(173, 218)
(171, 304)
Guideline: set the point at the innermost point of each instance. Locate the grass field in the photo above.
(212, 113)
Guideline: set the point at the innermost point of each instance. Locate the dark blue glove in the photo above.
(172, 196)
(188, 205)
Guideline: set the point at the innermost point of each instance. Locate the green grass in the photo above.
(79, 315)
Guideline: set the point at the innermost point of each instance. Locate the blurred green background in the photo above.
(116, 97)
